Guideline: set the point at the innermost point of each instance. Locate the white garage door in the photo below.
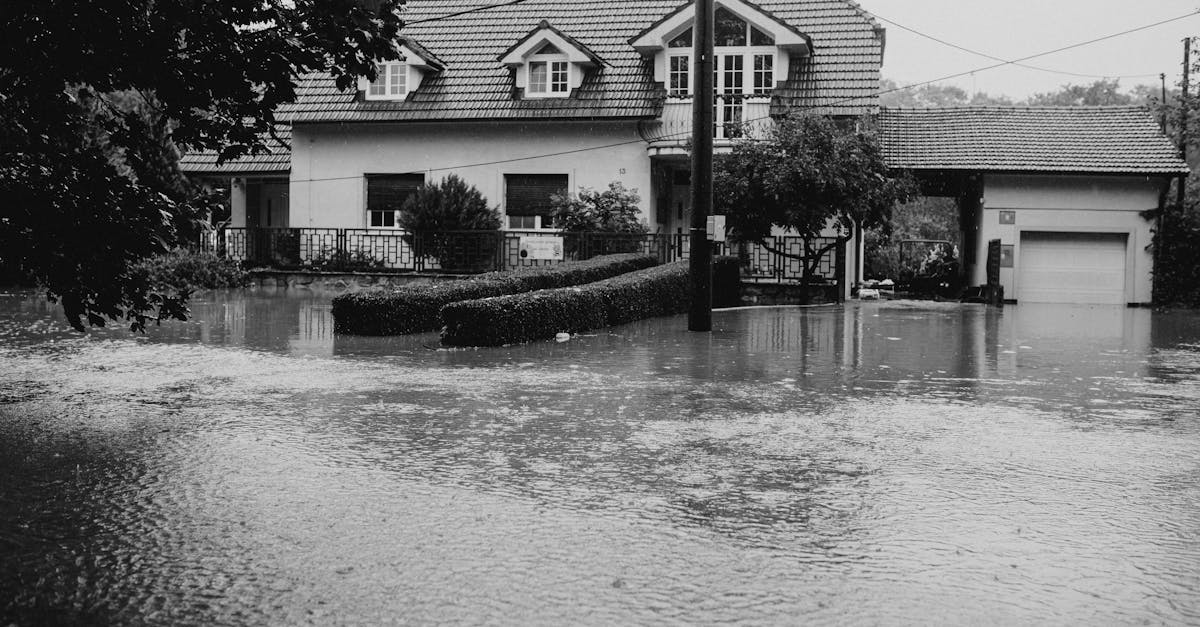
(1084, 268)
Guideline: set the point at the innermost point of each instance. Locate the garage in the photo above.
(1085, 268)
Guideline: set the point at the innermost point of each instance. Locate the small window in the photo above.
(729, 29)
(759, 38)
(528, 196)
(386, 193)
(683, 40)
(549, 78)
(391, 82)
(679, 73)
(523, 222)
(764, 73)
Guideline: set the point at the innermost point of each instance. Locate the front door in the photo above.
(680, 218)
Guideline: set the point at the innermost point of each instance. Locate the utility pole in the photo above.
(1183, 116)
(1162, 104)
(700, 262)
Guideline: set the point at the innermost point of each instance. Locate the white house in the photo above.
(526, 100)
(1063, 189)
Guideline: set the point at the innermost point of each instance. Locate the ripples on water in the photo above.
(873, 463)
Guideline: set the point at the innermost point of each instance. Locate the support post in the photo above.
(700, 262)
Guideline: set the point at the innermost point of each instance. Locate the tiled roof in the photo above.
(841, 78)
(278, 160)
(1115, 140)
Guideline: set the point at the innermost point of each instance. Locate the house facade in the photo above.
(1064, 190)
(544, 96)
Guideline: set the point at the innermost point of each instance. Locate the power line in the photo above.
(466, 12)
(834, 103)
(995, 58)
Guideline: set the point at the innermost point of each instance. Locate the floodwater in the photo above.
(872, 463)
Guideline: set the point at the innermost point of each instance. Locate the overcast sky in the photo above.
(1015, 28)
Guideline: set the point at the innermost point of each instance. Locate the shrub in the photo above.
(613, 211)
(185, 270)
(649, 293)
(451, 205)
(415, 309)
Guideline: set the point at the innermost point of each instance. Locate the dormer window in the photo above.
(753, 49)
(548, 63)
(394, 80)
(391, 82)
(549, 73)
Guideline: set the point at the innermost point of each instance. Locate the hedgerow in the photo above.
(649, 293)
(415, 309)
(189, 270)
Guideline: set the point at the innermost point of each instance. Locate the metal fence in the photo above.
(374, 250)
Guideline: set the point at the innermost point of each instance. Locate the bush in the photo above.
(435, 209)
(415, 309)
(613, 211)
(658, 291)
(1177, 264)
(185, 270)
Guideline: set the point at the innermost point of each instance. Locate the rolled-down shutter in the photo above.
(529, 194)
(389, 191)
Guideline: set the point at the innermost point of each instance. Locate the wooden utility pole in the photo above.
(1183, 117)
(700, 263)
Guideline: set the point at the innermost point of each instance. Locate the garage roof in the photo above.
(1111, 140)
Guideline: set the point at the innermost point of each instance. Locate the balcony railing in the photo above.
(734, 116)
(463, 252)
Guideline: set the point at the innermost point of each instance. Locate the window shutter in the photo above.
(529, 194)
(389, 191)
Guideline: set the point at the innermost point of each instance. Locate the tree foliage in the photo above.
(97, 97)
(808, 174)
(436, 210)
(614, 210)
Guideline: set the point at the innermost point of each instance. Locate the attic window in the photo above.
(683, 40)
(391, 82)
(733, 31)
(549, 73)
(549, 48)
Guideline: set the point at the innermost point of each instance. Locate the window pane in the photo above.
(529, 194)
(398, 79)
(734, 78)
(537, 77)
(379, 85)
(759, 38)
(522, 222)
(680, 66)
(764, 73)
(729, 29)
(558, 77)
(683, 40)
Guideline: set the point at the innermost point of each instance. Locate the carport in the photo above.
(1063, 189)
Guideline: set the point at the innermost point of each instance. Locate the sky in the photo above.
(1010, 29)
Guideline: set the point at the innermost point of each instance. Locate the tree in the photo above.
(933, 95)
(1102, 92)
(807, 175)
(97, 97)
(614, 210)
(435, 210)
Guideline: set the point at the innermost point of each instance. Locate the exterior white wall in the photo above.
(330, 161)
(1076, 204)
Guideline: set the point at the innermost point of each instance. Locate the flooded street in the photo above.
(872, 463)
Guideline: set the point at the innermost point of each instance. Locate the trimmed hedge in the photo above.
(659, 291)
(415, 309)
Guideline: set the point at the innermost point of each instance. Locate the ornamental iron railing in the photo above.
(775, 259)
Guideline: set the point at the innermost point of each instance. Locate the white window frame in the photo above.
(558, 76)
(391, 82)
(540, 223)
(748, 73)
(371, 213)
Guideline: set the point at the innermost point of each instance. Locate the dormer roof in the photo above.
(655, 37)
(420, 56)
(544, 34)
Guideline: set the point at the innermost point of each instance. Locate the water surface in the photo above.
(877, 462)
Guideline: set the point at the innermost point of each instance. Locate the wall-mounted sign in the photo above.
(550, 248)
(1008, 217)
(1006, 256)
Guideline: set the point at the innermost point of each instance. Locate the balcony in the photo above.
(735, 116)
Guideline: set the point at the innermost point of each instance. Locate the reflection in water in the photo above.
(878, 462)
